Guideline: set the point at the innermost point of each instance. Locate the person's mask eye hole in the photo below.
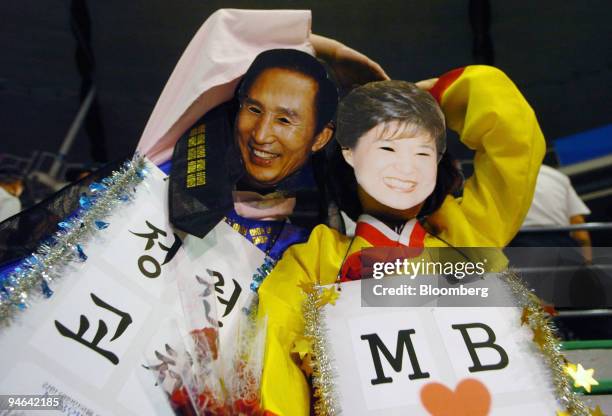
(424, 154)
(386, 148)
(284, 121)
(254, 110)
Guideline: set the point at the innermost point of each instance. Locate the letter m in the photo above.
(377, 346)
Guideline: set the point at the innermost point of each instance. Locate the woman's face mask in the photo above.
(394, 164)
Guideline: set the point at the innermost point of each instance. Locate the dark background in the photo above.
(558, 53)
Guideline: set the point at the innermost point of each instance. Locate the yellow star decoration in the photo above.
(302, 346)
(525, 316)
(582, 378)
(539, 337)
(307, 287)
(329, 295)
(597, 412)
(569, 368)
(306, 365)
(561, 413)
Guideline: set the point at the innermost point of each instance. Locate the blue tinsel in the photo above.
(100, 225)
(81, 253)
(64, 225)
(31, 270)
(97, 187)
(85, 201)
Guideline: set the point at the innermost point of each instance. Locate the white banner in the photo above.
(119, 312)
(435, 361)
(228, 260)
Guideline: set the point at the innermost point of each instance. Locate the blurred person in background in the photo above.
(555, 204)
(11, 188)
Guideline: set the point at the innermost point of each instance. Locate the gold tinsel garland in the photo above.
(323, 375)
(545, 338)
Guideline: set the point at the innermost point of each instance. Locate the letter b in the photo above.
(489, 343)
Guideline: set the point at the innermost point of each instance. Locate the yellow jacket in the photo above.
(492, 117)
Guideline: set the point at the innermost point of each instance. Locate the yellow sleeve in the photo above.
(285, 390)
(493, 118)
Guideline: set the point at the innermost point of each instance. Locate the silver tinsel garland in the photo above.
(323, 374)
(35, 274)
(539, 320)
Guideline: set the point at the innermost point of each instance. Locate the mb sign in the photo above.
(404, 344)
(398, 361)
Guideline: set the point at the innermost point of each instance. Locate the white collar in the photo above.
(403, 237)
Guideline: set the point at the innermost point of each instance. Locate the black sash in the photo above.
(205, 167)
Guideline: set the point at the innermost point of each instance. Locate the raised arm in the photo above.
(493, 118)
(350, 67)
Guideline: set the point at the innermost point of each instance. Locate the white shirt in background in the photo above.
(554, 200)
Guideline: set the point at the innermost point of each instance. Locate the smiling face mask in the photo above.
(396, 164)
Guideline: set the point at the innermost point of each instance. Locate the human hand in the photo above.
(350, 67)
(354, 68)
(426, 84)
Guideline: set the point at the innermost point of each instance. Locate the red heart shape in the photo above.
(470, 398)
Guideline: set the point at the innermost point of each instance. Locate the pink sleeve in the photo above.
(213, 63)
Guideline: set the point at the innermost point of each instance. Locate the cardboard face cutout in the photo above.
(395, 165)
(275, 125)
(285, 99)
